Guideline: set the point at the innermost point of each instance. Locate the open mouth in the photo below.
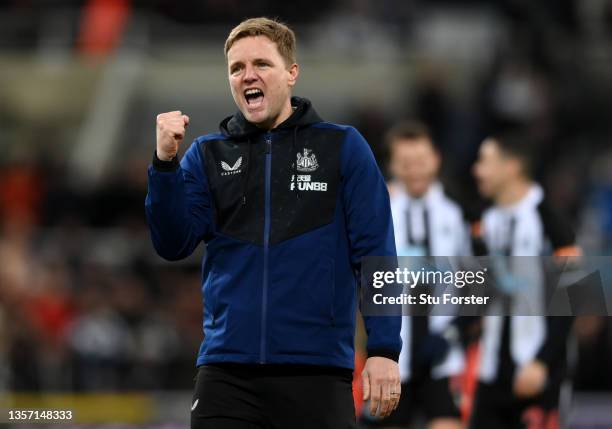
(254, 97)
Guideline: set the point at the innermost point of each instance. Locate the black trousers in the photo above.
(497, 407)
(236, 396)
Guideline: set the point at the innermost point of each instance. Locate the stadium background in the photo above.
(88, 312)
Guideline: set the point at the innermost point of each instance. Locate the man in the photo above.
(523, 360)
(427, 223)
(287, 205)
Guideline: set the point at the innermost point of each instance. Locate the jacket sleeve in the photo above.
(559, 231)
(369, 227)
(554, 347)
(178, 205)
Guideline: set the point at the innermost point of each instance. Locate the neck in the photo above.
(418, 195)
(283, 115)
(513, 192)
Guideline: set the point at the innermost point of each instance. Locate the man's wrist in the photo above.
(541, 364)
(162, 165)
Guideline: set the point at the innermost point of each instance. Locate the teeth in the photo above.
(252, 92)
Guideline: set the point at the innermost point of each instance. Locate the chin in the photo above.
(256, 117)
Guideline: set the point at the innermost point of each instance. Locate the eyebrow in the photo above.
(256, 60)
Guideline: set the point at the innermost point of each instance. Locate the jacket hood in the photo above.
(237, 126)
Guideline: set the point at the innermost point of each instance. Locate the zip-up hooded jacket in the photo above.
(286, 215)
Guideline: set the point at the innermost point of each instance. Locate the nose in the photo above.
(249, 74)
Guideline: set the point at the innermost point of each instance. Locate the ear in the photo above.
(474, 169)
(294, 71)
(437, 161)
(394, 165)
(515, 167)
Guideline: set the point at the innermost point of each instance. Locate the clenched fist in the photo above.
(530, 379)
(170, 133)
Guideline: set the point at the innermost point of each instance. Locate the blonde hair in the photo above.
(274, 30)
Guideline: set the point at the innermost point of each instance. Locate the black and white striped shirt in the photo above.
(432, 225)
(527, 228)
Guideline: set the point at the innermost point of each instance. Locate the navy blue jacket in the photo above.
(286, 215)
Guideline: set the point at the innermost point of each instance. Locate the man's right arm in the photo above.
(177, 205)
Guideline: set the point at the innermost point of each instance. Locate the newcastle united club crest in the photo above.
(307, 161)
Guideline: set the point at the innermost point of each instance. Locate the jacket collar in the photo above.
(237, 126)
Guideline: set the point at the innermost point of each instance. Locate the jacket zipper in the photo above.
(266, 241)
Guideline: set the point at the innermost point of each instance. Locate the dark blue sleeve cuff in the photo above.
(386, 353)
(165, 166)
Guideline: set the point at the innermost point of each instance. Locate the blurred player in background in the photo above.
(523, 360)
(427, 223)
(288, 205)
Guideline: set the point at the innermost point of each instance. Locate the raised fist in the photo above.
(170, 133)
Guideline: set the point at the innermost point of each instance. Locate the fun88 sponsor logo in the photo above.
(305, 184)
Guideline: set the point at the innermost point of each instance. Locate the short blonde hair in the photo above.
(274, 30)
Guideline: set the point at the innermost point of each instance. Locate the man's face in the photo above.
(492, 169)
(415, 163)
(260, 80)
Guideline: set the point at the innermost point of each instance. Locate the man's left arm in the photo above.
(532, 378)
(370, 231)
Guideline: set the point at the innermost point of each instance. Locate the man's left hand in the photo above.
(530, 379)
(381, 385)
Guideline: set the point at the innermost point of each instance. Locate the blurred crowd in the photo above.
(87, 307)
(85, 303)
